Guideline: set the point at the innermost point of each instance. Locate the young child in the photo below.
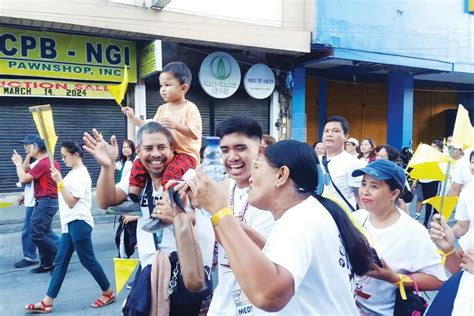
(183, 119)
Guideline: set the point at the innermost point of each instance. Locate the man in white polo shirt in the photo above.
(340, 163)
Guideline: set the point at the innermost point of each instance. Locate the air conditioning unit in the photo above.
(159, 4)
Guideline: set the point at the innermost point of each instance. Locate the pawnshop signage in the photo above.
(57, 55)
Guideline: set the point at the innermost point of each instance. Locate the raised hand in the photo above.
(210, 195)
(106, 154)
(441, 234)
(128, 111)
(16, 158)
(55, 174)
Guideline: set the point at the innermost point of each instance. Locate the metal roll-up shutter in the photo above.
(72, 117)
(242, 104)
(153, 100)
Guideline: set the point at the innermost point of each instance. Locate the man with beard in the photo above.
(155, 150)
(240, 144)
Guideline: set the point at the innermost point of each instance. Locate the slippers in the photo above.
(99, 303)
(43, 309)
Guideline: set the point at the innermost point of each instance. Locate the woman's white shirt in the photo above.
(407, 248)
(464, 302)
(127, 168)
(306, 242)
(465, 206)
(78, 182)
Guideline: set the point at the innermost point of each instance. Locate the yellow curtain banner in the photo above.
(429, 171)
(425, 153)
(118, 91)
(5, 204)
(46, 132)
(123, 269)
(448, 205)
(462, 133)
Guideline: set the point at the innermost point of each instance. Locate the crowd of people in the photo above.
(291, 230)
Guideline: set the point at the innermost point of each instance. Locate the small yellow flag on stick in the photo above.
(118, 91)
(425, 153)
(448, 205)
(429, 171)
(43, 117)
(463, 131)
(123, 269)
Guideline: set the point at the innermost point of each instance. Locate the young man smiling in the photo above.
(240, 144)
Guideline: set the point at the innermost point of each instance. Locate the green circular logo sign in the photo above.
(219, 75)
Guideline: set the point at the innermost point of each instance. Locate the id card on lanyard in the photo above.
(242, 303)
(223, 260)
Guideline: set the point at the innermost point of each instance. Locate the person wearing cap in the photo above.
(29, 248)
(352, 146)
(46, 206)
(403, 245)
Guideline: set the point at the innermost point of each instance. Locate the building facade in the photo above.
(68, 53)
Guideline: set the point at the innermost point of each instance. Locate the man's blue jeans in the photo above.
(41, 234)
(77, 238)
(29, 248)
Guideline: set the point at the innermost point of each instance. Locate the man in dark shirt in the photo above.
(46, 195)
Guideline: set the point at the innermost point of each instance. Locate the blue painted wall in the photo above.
(440, 30)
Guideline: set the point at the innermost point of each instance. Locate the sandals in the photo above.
(43, 309)
(99, 303)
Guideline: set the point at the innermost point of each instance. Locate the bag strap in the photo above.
(325, 164)
(151, 205)
(415, 285)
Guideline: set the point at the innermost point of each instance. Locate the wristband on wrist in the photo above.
(401, 287)
(18, 164)
(216, 218)
(444, 255)
(60, 186)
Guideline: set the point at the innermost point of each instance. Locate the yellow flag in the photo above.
(43, 117)
(118, 91)
(429, 171)
(123, 269)
(425, 153)
(5, 204)
(462, 133)
(448, 205)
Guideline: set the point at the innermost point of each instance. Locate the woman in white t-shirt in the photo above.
(125, 162)
(456, 260)
(75, 201)
(402, 244)
(313, 250)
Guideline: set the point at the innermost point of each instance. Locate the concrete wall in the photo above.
(290, 30)
(441, 30)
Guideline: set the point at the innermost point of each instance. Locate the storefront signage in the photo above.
(57, 55)
(219, 75)
(53, 89)
(259, 81)
(152, 59)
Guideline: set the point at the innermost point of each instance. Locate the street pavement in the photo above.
(19, 286)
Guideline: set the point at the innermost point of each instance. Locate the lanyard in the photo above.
(245, 206)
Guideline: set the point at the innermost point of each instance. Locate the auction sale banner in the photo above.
(53, 88)
(69, 56)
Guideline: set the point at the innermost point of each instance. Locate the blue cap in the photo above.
(38, 142)
(383, 169)
(29, 139)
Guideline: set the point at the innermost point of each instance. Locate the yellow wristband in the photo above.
(216, 218)
(60, 186)
(444, 255)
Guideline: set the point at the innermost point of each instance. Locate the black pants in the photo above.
(429, 190)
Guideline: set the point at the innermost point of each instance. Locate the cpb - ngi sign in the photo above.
(56, 55)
